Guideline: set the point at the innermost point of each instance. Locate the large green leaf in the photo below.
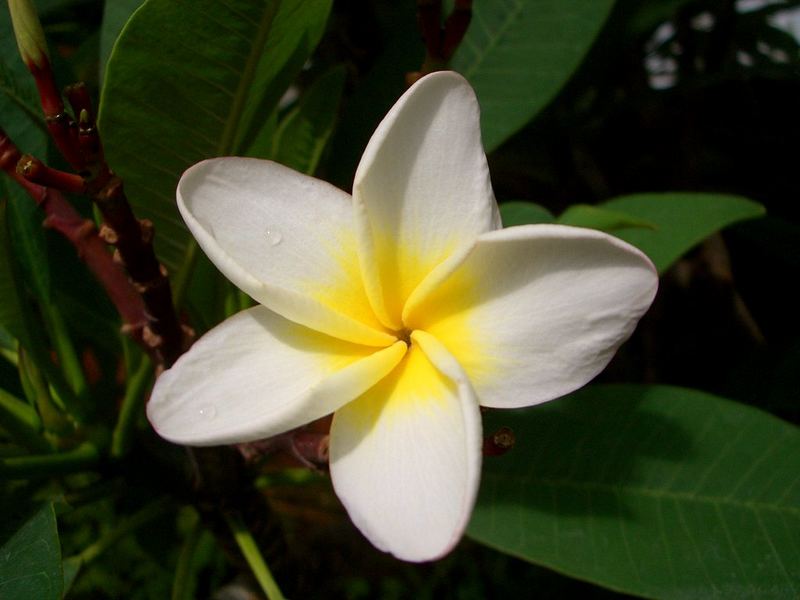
(11, 315)
(304, 132)
(21, 118)
(19, 106)
(30, 558)
(115, 14)
(681, 220)
(524, 213)
(663, 225)
(28, 240)
(653, 490)
(519, 53)
(192, 80)
(596, 217)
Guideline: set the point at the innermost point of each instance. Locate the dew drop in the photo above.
(274, 237)
(207, 411)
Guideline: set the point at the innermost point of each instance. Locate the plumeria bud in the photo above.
(29, 34)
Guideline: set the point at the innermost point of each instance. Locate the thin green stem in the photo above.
(249, 74)
(253, 556)
(10, 356)
(146, 514)
(20, 410)
(245, 301)
(184, 274)
(22, 423)
(38, 355)
(183, 585)
(38, 393)
(138, 383)
(231, 302)
(65, 349)
(82, 458)
(103, 490)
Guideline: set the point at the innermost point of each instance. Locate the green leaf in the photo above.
(524, 213)
(192, 80)
(682, 220)
(293, 37)
(652, 490)
(518, 54)
(28, 240)
(19, 101)
(11, 315)
(595, 217)
(23, 122)
(22, 423)
(30, 559)
(305, 131)
(115, 14)
(71, 567)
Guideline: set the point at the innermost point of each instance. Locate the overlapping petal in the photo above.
(405, 458)
(256, 375)
(504, 318)
(286, 239)
(421, 190)
(535, 312)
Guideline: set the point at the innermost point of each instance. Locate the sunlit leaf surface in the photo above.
(653, 490)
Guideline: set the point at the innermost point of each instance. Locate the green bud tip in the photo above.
(28, 30)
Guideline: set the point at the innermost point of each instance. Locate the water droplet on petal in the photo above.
(274, 237)
(207, 411)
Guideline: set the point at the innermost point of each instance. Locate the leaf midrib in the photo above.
(225, 146)
(513, 14)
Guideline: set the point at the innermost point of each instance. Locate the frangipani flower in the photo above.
(401, 310)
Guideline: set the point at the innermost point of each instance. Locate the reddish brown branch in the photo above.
(61, 127)
(82, 234)
(441, 41)
(429, 21)
(455, 28)
(81, 146)
(35, 171)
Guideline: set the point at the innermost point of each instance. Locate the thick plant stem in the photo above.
(441, 40)
(132, 238)
(79, 142)
(62, 217)
(250, 551)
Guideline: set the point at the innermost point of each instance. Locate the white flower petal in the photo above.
(422, 189)
(286, 239)
(532, 313)
(256, 375)
(406, 456)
